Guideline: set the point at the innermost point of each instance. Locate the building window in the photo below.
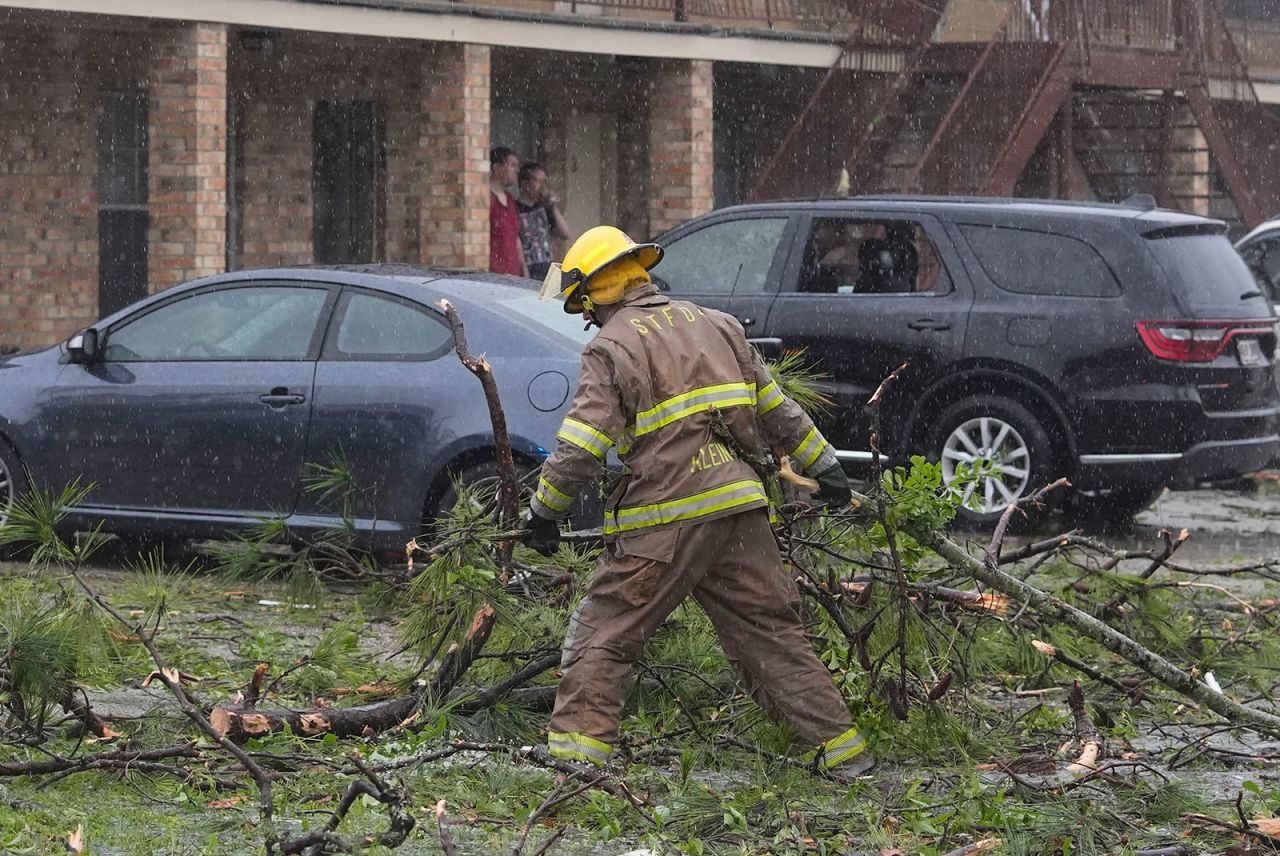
(122, 200)
(348, 173)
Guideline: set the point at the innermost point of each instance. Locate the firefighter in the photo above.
(689, 516)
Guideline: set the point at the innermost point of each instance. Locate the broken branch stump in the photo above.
(238, 723)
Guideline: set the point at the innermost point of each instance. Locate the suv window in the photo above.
(244, 323)
(375, 328)
(858, 256)
(1205, 271)
(1027, 262)
(703, 262)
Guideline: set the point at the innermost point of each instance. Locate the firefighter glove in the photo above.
(833, 487)
(542, 535)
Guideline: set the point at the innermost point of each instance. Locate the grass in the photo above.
(684, 728)
(709, 798)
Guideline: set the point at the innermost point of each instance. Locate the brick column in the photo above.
(455, 149)
(680, 142)
(188, 154)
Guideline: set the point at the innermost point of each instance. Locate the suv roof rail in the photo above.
(1141, 201)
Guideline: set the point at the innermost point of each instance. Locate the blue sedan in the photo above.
(200, 410)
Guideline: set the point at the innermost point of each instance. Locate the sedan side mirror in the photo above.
(82, 348)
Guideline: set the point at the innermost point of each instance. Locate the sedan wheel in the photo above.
(998, 449)
(12, 482)
(6, 492)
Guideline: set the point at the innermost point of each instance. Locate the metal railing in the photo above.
(870, 21)
(1135, 24)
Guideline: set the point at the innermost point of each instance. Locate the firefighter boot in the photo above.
(853, 769)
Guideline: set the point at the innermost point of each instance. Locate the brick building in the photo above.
(145, 142)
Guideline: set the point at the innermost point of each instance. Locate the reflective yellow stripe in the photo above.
(584, 436)
(848, 745)
(578, 747)
(732, 495)
(810, 449)
(769, 398)
(695, 401)
(838, 750)
(552, 498)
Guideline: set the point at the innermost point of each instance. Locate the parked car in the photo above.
(1124, 347)
(200, 409)
(1260, 250)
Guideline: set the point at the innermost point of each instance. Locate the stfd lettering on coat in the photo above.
(667, 316)
(711, 455)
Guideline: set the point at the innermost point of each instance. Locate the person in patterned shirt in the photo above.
(540, 219)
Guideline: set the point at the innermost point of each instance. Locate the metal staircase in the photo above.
(1242, 133)
(1126, 83)
(857, 102)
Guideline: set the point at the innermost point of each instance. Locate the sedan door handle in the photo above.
(281, 397)
(768, 347)
(929, 324)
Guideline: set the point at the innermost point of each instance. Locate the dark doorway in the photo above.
(122, 200)
(347, 177)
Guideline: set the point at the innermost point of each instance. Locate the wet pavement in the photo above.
(1227, 527)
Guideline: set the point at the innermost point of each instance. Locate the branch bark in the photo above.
(480, 367)
(239, 722)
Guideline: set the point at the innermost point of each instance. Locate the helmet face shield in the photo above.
(552, 283)
(557, 283)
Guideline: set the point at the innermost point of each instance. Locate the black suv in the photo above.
(1123, 346)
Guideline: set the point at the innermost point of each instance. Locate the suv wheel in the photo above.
(998, 431)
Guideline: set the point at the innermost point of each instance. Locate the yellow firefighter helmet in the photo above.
(598, 268)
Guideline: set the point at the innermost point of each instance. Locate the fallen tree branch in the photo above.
(75, 702)
(460, 657)
(1090, 740)
(239, 722)
(1105, 635)
(117, 760)
(1171, 546)
(493, 694)
(979, 601)
(442, 826)
(1114, 641)
(1055, 653)
(328, 839)
(1035, 499)
(983, 846)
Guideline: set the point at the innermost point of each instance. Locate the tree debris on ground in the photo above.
(1050, 696)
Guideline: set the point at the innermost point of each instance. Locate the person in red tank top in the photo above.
(505, 254)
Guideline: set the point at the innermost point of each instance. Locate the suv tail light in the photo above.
(1199, 341)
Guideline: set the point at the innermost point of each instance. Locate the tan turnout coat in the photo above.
(647, 386)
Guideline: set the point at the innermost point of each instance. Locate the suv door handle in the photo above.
(281, 397)
(929, 324)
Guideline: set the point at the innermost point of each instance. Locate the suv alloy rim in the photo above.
(989, 440)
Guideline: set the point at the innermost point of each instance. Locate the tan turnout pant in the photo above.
(734, 571)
